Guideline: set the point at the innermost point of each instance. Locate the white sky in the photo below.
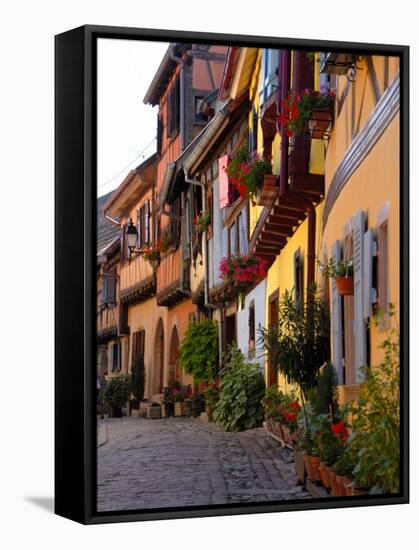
(125, 125)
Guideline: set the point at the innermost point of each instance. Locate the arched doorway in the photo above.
(157, 374)
(174, 368)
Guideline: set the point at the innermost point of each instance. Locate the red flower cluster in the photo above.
(292, 411)
(247, 268)
(289, 113)
(339, 429)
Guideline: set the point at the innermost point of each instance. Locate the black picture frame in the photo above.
(75, 248)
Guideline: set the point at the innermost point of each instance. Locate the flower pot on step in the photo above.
(333, 485)
(340, 486)
(180, 409)
(299, 465)
(324, 478)
(308, 466)
(315, 463)
(347, 482)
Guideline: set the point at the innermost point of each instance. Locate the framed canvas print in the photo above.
(231, 274)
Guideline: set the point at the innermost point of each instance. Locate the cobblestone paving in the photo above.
(145, 463)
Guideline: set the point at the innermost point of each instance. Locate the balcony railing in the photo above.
(138, 281)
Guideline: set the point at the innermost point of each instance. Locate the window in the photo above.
(252, 340)
(173, 116)
(138, 344)
(253, 131)
(116, 357)
(348, 319)
(269, 73)
(147, 215)
(109, 287)
(140, 239)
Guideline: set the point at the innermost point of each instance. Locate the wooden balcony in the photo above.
(279, 221)
(106, 323)
(138, 281)
(170, 290)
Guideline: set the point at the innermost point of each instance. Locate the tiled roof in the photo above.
(106, 230)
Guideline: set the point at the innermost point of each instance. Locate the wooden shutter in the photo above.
(176, 104)
(140, 241)
(370, 294)
(110, 295)
(103, 288)
(336, 319)
(146, 222)
(159, 134)
(358, 227)
(123, 239)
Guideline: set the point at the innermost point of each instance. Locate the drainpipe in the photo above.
(283, 87)
(181, 62)
(207, 303)
(204, 235)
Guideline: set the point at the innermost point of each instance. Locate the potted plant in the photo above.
(152, 255)
(116, 393)
(211, 395)
(342, 272)
(242, 388)
(179, 403)
(309, 110)
(246, 171)
(137, 381)
(202, 222)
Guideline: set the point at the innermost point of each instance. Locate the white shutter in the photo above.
(336, 319)
(358, 227)
(370, 294)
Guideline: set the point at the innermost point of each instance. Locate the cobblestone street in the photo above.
(145, 464)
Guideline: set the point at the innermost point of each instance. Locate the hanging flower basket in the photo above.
(268, 191)
(319, 122)
(345, 285)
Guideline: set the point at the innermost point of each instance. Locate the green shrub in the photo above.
(242, 388)
(198, 354)
(375, 441)
(116, 391)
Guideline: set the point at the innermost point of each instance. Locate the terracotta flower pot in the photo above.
(340, 485)
(345, 285)
(328, 472)
(299, 465)
(308, 466)
(347, 482)
(315, 463)
(333, 485)
(324, 474)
